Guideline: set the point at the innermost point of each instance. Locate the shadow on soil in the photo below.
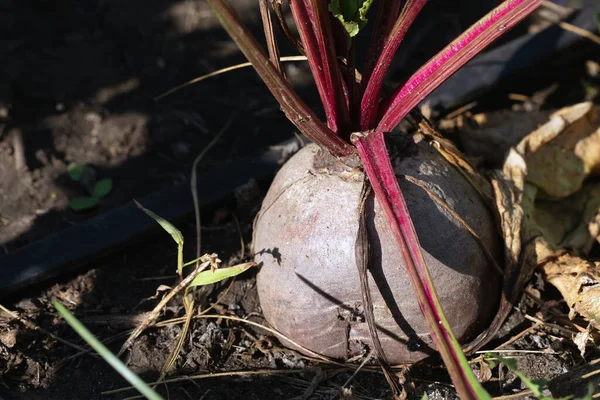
(79, 88)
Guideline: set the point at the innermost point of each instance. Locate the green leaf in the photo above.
(105, 353)
(166, 225)
(102, 187)
(351, 13)
(535, 385)
(589, 395)
(83, 203)
(76, 171)
(208, 277)
(174, 232)
(193, 262)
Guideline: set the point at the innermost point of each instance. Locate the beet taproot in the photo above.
(308, 284)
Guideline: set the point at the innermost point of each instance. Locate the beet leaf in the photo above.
(387, 14)
(373, 79)
(351, 13)
(452, 57)
(293, 107)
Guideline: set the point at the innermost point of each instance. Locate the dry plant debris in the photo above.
(549, 205)
(489, 135)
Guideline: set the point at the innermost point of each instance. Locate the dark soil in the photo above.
(78, 83)
(77, 86)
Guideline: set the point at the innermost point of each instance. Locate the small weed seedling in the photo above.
(97, 189)
(537, 386)
(199, 277)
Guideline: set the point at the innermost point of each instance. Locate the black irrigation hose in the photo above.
(517, 57)
(107, 233)
(110, 231)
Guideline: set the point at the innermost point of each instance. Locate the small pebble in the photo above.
(593, 68)
(9, 339)
(3, 112)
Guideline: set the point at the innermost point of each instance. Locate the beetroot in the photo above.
(308, 284)
(306, 231)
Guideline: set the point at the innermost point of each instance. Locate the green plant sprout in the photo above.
(105, 353)
(353, 16)
(199, 278)
(86, 177)
(171, 230)
(536, 386)
(213, 275)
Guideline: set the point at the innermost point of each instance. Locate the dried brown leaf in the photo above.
(572, 223)
(563, 152)
(561, 210)
(581, 340)
(578, 281)
(545, 209)
(485, 372)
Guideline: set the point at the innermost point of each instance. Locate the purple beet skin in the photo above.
(308, 283)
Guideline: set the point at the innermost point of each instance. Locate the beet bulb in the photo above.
(308, 283)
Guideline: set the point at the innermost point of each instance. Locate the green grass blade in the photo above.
(105, 353)
(193, 262)
(166, 225)
(180, 259)
(208, 277)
